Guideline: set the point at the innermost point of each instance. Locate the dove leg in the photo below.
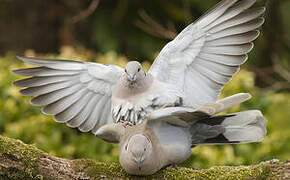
(174, 166)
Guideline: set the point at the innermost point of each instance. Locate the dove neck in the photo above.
(139, 86)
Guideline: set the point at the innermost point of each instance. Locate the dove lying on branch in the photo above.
(190, 71)
(168, 134)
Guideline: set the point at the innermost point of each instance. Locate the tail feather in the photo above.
(240, 127)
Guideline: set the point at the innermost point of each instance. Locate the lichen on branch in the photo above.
(22, 161)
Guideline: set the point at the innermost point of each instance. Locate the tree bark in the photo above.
(22, 161)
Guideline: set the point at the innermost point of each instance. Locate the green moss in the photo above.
(277, 169)
(97, 170)
(28, 155)
(25, 154)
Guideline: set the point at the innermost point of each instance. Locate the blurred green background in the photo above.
(116, 31)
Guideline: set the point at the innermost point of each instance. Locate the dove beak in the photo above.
(132, 79)
(139, 164)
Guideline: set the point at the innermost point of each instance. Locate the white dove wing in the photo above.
(206, 54)
(76, 93)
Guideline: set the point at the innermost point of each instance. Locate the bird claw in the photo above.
(167, 105)
(174, 166)
(126, 123)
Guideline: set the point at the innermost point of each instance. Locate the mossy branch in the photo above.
(22, 161)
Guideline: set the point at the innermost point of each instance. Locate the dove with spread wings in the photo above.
(190, 71)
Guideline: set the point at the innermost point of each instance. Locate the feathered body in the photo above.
(135, 102)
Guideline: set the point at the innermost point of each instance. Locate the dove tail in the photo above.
(240, 127)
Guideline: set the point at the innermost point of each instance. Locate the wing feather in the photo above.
(95, 116)
(105, 119)
(214, 13)
(74, 109)
(74, 92)
(49, 98)
(45, 89)
(224, 59)
(217, 67)
(239, 29)
(62, 104)
(83, 115)
(208, 52)
(43, 71)
(248, 18)
(230, 50)
(237, 39)
(39, 81)
(233, 11)
(54, 63)
(216, 77)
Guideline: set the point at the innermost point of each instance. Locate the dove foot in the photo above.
(195, 168)
(170, 166)
(126, 123)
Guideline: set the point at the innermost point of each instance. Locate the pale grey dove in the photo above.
(169, 133)
(190, 70)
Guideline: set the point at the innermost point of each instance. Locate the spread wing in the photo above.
(76, 93)
(206, 54)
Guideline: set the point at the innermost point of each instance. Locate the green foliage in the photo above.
(20, 120)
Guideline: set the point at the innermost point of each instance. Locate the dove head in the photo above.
(137, 151)
(134, 72)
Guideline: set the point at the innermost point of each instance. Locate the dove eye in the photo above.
(139, 69)
(144, 149)
(125, 70)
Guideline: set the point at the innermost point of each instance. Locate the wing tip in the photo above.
(56, 119)
(34, 103)
(46, 111)
(99, 132)
(250, 48)
(245, 96)
(22, 71)
(260, 21)
(24, 59)
(262, 9)
(256, 35)
(18, 83)
(81, 129)
(20, 57)
(24, 92)
(15, 84)
(18, 72)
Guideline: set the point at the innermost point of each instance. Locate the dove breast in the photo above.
(135, 105)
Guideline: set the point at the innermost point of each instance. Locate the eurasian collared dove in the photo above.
(168, 134)
(189, 71)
